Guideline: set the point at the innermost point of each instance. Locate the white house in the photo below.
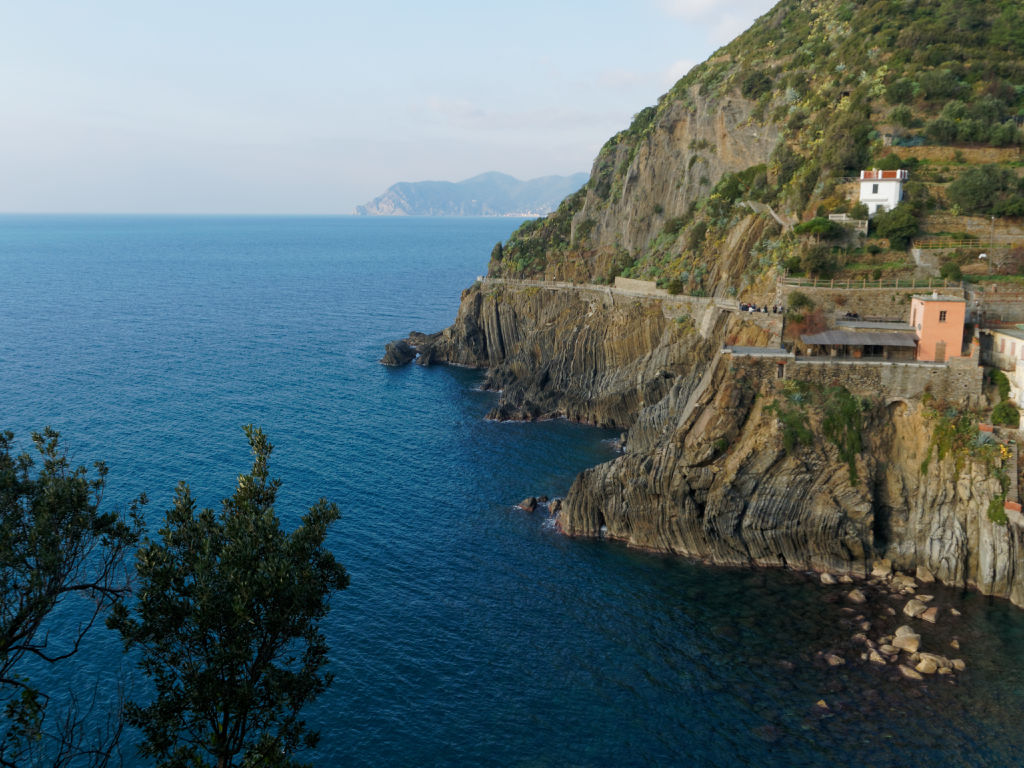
(881, 190)
(1004, 349)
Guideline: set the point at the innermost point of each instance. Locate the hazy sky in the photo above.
(313, 106)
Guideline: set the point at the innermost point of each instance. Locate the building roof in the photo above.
(937, 297)
(876, 175)
(1012, 332)
(869, 325)
(861, 338)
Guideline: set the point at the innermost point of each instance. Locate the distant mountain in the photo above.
(489, 194)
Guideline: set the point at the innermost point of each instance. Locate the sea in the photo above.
(473, 633)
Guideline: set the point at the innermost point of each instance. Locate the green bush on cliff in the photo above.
(843, 424)
(1006, 414)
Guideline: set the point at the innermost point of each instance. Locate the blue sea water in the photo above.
(472, 633)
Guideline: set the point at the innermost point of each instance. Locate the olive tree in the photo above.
(227, 622)
(56, 545)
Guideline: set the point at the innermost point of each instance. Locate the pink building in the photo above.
(939, 322)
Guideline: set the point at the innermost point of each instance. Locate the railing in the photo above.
(907, 283)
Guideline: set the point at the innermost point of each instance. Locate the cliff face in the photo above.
(716, 483)
(724, 461)
(704, 472)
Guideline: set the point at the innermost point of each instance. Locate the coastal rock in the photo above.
(528, 504)
(398, 353)
(856, 596)
(910, 673)
(914, 608)
(908, 643)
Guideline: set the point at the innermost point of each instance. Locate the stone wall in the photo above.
(996, 303)
(880, 303)
(958, 381)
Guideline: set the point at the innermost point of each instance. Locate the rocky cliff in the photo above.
(705, 471)
(725, 460)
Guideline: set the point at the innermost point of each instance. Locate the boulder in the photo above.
(904, 581)
(927, 667)
(904, 629)
(881, 568)
(528, 504)
(910, 674)
(828, 578)
(398, 353)
(908, 643)
(876, 658)
(856, 597)
(834, 659)
(931, 615)
(846, 579)
(959, 665)
(924, 575)
(914, 608)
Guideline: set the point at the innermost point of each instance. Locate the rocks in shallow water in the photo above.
(881, 568)
(904, 581)
(927, 667)
(888, 649)
(846, 579)
(930, 615)
(958, 665)
(528, 504)
(904, 629)
(857, 597)
(914, 608)
(876, 658)
(954, 612)
(828, 578)
(908, 643)
(909, 673)
(954, 644)
(834, 659)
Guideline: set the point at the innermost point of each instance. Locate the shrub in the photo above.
(1002, 383)
(898, 225)
(951, 271)
(1006, 414)
(978, 189)
(800, 301)
(819, 227)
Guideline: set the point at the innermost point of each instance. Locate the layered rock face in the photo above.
(704, 472)
(715, 483)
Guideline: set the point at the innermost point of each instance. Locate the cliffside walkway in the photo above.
(731, 305)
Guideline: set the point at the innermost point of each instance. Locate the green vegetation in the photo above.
(1002, 384)
(841, 419)
(227, 622)
(1006, 414)
(56, 545)
(988, 189)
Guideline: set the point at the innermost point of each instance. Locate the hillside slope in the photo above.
(489, 194)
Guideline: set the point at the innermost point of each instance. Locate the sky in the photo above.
(314, 106)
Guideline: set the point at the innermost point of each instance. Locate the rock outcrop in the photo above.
(705, 472)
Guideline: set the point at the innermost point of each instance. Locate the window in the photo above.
(942, 315)
(874, 189)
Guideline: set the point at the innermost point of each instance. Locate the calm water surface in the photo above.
(472, 633)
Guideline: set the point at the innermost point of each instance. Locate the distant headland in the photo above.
(489, 194)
